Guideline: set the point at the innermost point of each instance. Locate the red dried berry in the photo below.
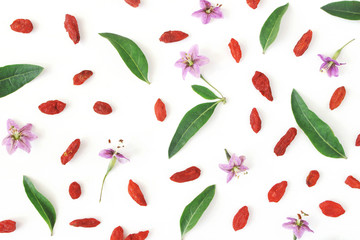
(70, 151)
(261, 83)
(160, 110)
(285, 141)
(138, 236)
(312, 178)
(102, 108)
(74, 190)
(7, 226)
(241, 218)
(71, 26)
(303, 44)
(255, 120)
(357, 142)
(253, 3)
(173, 36)
(22, 26)
(52, 107)
(136, 194)
(235, 50)
(277, 191)
(117, 234)
(337, 98)
(331, 209)
(352, 182)
(187, 175)
(133, 3)
(82, 76)
(85, 222)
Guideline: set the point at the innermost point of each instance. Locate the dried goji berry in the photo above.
(285, 141)
(235, 50)
(303, 44)
(52, 107)
(160, 110)
(102, 108)
(312, 178)
(70, 151)
(352, 182)
(7, 226)
(261, 83)
(187, 175)
(71, 26)
(241, 218)
(74, 190)
(277, 191)
(253, 3)
(85, 222)
(82, 76)
(22, 26)
(117, 234)
(133, 3)
(136, 194)
(337, 97)
(138, 236)
(357, 142)
(173, 36)
(331, 209)
(255, 120)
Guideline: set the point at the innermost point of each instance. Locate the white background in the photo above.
(147, 140)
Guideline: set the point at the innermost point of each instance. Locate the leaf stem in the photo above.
(223, 99)
(110, 166)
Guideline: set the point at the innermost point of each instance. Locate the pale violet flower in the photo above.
(299, 226)
(234, 167)
(208, 11)
(191, 62)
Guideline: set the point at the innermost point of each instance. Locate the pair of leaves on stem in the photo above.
(344, 9)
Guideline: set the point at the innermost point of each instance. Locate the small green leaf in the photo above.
(204, 92)
(228, 156)
(42, 205)
(270, 29)
(194, 210)
(190, 124)
(319, 133)
(344, 9)
(13, 77)
(132, 55)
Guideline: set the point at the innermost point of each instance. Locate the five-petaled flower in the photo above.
(234, 167)
(111, 153)
(191, 62)
(18, 137)
(208, 11)
(330, 66)
(299, 226)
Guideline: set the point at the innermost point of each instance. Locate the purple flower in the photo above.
(330, 66)
(298, 226)
(234, 167)
(191, 62)
(110, 153)
(208, 11)
(18, 137)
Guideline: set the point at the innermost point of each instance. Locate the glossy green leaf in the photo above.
(13, 77)
(270, 29)
(194, 210)
(132, 55)
(190, 124)
(319, 133)
(344, 9)
(204, 92)
(42, 205)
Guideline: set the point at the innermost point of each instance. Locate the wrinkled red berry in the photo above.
(102, 108)
(74, 190)
(22, 26)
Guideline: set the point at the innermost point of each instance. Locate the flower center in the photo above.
(15, 134)
(209, 10)
(188, 60)
(327, 66)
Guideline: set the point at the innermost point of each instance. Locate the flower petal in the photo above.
(216, 13)
(204, 4)
(289, 225)
(324, 58)
(243, 168)
(12, 146)
(185, 71)
(11, 124)
(306, 228)
(121, 158)
(201, 60)
(333, 71)
(194, 51)
(323, 66)
(230, 176)
(180, 63)
(24, 145)
(205, 18)
(225, 167)
(298, 232)
(7, 140)
(198, 13)
(107, 153)
(195, 70)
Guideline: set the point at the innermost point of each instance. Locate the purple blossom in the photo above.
(234, 167)
(18, 137)
(208, 11)
(191, 62)
(330, 66)
(110, 153)
(299, 226)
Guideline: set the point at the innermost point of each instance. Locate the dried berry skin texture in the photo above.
(102, 108)
(7, 226)
(277, 191)
(235, 50)
(187, 175)
(352, 182)
(285, 141)
(312, 178)
(331, 209)
(136, 194)
(133, 3)
(303, 44)
(241, 218)
(337, 97)
(261, 83)
(160, 110)
(255, 120)
(22, 26)
(74, 190)
(138, 236)
(70, 151)
(52, 107)
(173, 36)
(117, 234)
(85, 222)
(82, 76)
(253, 3)
(71, 26)
(357, 142)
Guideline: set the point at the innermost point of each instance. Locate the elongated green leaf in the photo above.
(344, 9)
(270, 29)
(132, 55)
(13, 77)
(190, 124)
(42, 205)
(319, 133)
(204, 92)
(194, 210)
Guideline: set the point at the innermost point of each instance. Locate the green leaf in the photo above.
(42, 205)
(204, 92)
(271, 27)
(319, 133)
(194, 210)
(190, 124)
(13, 77)
(132, 55)
(344, 9)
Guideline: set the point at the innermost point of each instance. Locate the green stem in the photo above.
(337, 53)
(228, 156)
(295, 237)
(110, 166)
(202, 77)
